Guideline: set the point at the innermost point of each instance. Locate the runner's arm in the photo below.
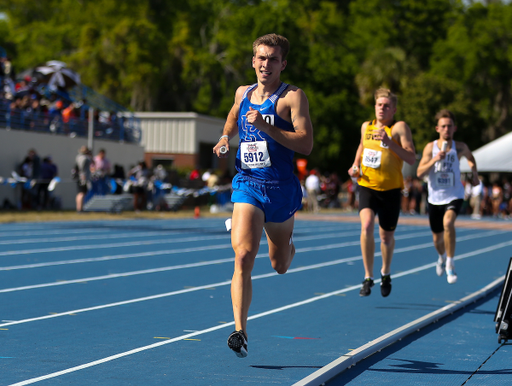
(231, 125)
(471, 162)
(426, 161)
(406, 151)
(301, 139)
(357, 160)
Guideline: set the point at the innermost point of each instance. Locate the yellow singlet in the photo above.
(381, 168)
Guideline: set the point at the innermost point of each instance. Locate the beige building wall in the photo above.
(185, 138)
(14, 146)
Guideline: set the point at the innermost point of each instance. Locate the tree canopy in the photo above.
(156, 55)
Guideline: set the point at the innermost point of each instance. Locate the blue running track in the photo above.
(147, 302)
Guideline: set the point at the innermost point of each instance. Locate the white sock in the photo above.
(383, 274)
(449, 262)
(442, 258)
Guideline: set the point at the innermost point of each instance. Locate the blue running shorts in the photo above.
(278, 200)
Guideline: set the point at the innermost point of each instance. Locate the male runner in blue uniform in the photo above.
(272, 121)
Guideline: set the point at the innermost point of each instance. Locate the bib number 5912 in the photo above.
(253, 157)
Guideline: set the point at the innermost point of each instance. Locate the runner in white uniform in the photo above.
(440, 161)
(444, 183)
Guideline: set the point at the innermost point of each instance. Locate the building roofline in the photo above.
(176, 115)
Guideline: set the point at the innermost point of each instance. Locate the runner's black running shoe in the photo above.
(366, 289)
(237, 342)
(385, 285)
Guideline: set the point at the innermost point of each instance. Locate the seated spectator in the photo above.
(477, 193)
(350, 187)
(56, 108)
(406, 194)
(83, 163)
(497, 198)
(68, 113)
(55, 113)
(312, 185)
(26, 171)
(332, 190)
(415, 196)
(102, 170)
(23, 86)
(140, 174)
(34, 112)
(48, 172)
(119, 176)
(206, 175)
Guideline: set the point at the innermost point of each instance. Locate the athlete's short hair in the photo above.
(273, 40)
(444, 113)
(385, 93)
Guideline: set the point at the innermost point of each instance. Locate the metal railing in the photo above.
(124, 128)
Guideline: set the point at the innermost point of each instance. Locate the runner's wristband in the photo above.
(224, 136)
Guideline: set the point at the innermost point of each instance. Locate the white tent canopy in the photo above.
(496, 156)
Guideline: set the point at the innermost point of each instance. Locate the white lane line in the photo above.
(222, 326)
(94, 246)
(349, 359)
(157, 231)
(106, 236)
(85, 247)
(10, 230)
(184, 266)
(213, 262)
(113, 245)
(10, 234)
(173, 251)
(257, 277)
(64, 236)
(162, 252)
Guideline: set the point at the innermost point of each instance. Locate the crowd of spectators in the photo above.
(321, 191)
(35, 178)
(27, 103)
(487, 199)
(491, 199)
(95, 175)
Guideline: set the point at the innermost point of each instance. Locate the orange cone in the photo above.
(197, 212)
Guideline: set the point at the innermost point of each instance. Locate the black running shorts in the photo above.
(436, 214)
(385, 204)
(81, 188)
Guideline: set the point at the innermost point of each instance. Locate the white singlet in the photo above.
(444, 184)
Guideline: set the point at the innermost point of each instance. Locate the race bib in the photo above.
(445, 179)
(372, 158)
(254, 155)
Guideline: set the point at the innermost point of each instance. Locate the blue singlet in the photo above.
(265, 168)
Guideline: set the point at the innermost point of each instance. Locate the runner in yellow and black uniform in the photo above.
(384, 145)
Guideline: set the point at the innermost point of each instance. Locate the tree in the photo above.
(478, 54)
(389, 68)
(411, 25)
(424, 97)
(192, 55)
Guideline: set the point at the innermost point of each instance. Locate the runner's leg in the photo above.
(280, 244)
(367, 217)
(246, 231)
